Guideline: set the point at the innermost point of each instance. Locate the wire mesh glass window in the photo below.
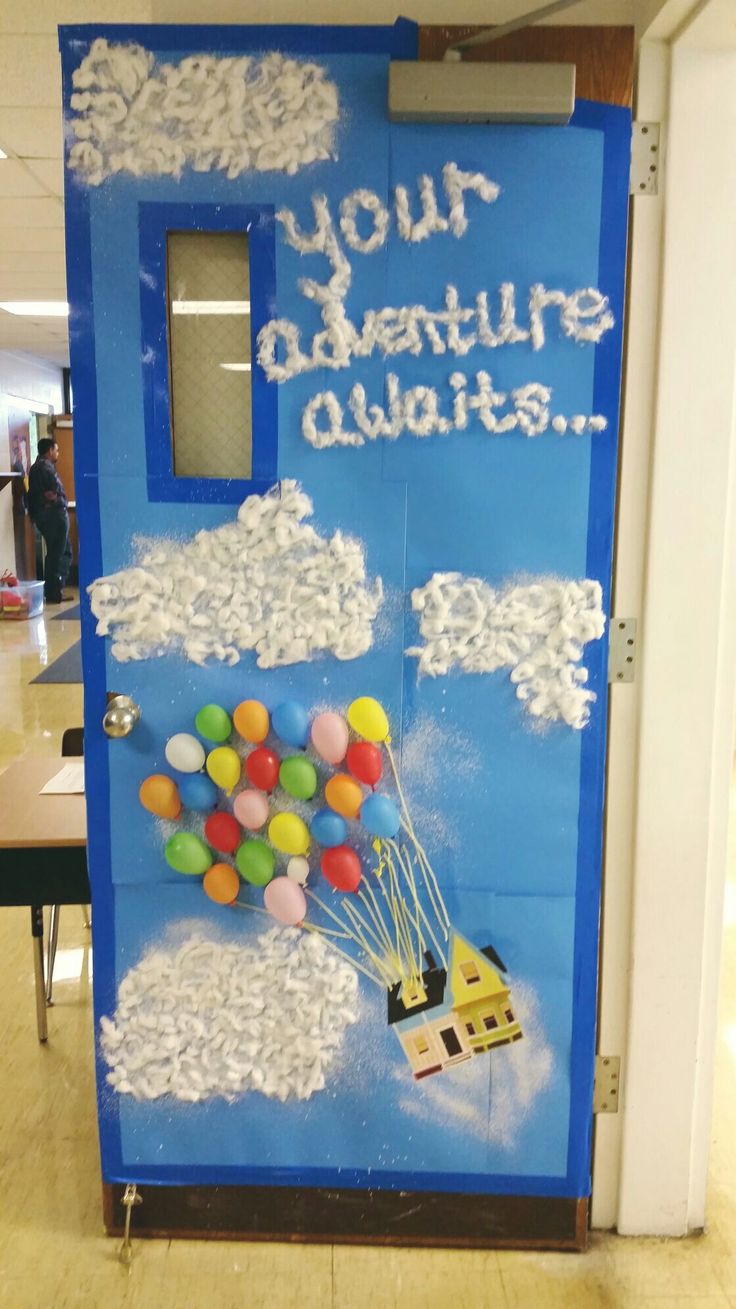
(210, 354)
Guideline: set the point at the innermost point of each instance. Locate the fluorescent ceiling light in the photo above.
(211, 306)
(36, 308)
(236, 368)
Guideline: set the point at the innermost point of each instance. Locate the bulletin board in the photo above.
(346, 952)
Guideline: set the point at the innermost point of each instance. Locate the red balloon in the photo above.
(365, 763)
(222, 832)
(262, 767)
(341, 867)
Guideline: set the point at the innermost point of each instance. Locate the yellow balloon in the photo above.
(368, 718)
(289, 834)
(160, 796)
(224, 767)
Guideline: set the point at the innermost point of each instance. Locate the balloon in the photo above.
(289, 834)
(251, 809)
(290, 722)
(368, 718)
(221, 883)
(341, 867)
(224, 766)
(222, 831)
(256, 861)
(185, 753)
(286, 901)
(251, 721)
(343, 794)
(365, 763)
(298, 776)
(330, 737)
(213, 723)
(298, 869)
(159, 794)
(379, 816)
(198, 792)
(187, 853)
(328, 828)
(262, 768)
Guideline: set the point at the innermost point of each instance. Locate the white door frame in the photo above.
(671, 732)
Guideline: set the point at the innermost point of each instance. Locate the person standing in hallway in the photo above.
(47, 507)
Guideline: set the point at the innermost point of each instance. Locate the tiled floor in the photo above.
(53, 1254)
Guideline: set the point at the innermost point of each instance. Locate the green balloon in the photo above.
(187, 853)
(213, 723)
(298, 776)
(255, 861)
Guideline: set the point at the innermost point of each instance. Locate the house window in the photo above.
(452, 1044)
(509, 1016)
(209, 319)
(490, 1022)
(421, 1045)
(469, 972)
(470, 1029)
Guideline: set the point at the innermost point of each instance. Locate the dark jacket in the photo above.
(45, 490)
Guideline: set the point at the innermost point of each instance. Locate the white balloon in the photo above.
(185, 753)
(298, 869)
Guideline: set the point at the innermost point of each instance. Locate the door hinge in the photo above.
(622, 650)
(606, 1085)
(645, 165)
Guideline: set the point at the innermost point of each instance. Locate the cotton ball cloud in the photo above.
(267, 582)
(208, 1019)
(235, 114)
(538, 631)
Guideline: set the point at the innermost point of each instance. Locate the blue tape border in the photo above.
(155, 222)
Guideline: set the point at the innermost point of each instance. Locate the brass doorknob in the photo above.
(121, 716)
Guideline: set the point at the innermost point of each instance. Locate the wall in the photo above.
(609, 12)
(22, 377)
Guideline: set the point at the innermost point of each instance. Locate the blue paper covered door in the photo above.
(346, 397)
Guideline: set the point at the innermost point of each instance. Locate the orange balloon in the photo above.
(344, 795)
(159, 794)
(251, 721)
(221, 882)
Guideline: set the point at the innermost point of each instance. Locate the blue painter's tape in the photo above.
(155, 222)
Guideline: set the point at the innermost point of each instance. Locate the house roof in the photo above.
(495, 958)
(435, 982)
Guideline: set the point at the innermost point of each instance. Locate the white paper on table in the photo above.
(68, 781)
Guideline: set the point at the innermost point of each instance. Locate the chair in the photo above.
(72, 743)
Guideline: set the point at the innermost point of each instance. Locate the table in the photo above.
(43, 852)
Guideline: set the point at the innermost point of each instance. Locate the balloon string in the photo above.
(406, 868)
(375, 959)
(353, 914)
(408, 824)
(409, 873)
(374, 910)
(312, 927)
(412, 969)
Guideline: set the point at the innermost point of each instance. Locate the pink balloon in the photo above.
(286, 901)
(251, 809)
(330, 737)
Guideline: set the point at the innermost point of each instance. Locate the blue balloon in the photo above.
(328, 828)
(379, 816)
(289, 721)
(197, 791)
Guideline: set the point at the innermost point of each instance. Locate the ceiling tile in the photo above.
(44, 212)
(16, 181)
(32, 286)
(31, 261)
(36, 133)
(13, 239)
(30, 71)
(48, 171)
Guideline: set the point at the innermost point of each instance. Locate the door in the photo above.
(346, 418)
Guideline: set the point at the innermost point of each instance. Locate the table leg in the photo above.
(51, 951)
(37, 934)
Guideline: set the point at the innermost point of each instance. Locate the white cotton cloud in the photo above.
(267, 582)
(235, 114)
(538, 631)
(212, 1019)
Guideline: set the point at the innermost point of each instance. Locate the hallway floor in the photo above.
(53, 1254)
